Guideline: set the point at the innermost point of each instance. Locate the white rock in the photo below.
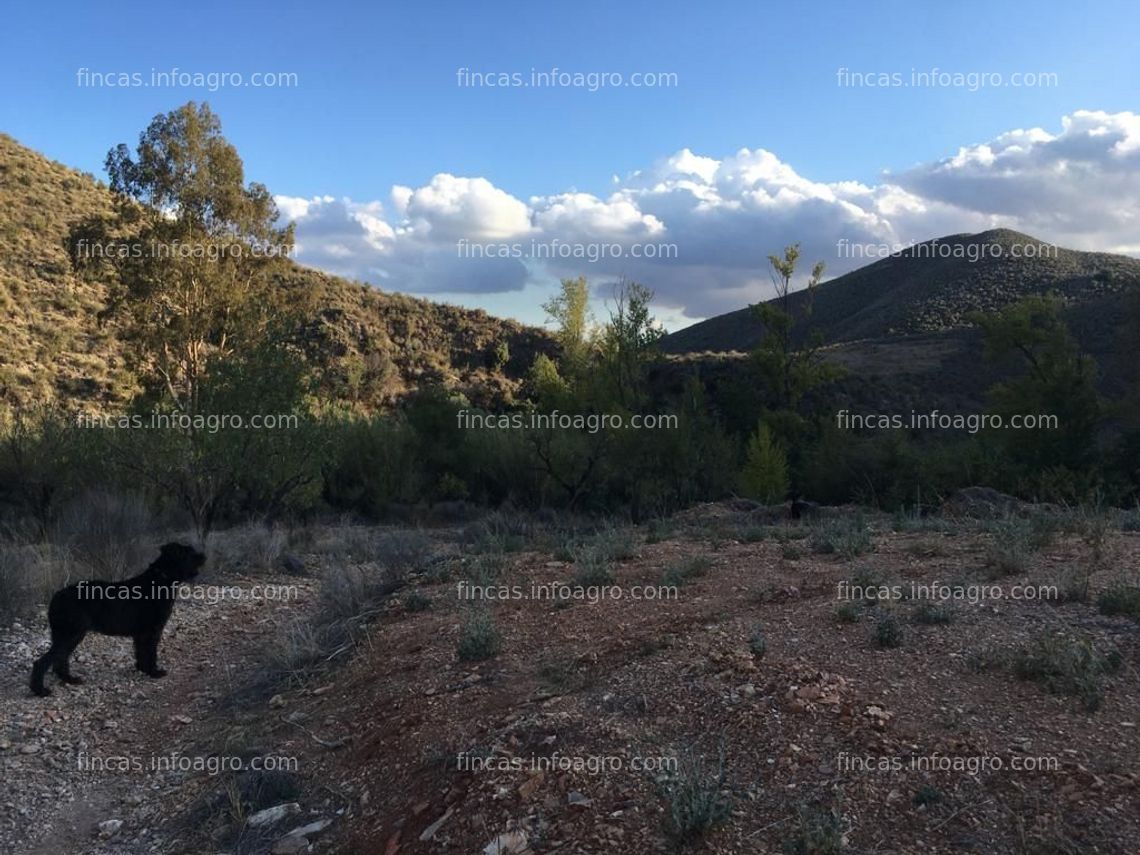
(290, 844)
(312, 829)
(274, 814)
(507, 844)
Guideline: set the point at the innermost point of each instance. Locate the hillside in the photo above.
(368, 346)
(920, 292)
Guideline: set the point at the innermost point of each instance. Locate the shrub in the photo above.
(888, 631)
(108, 532)
(847, 613)
(1066, 666)
(1120, 599)
(1014, 542)
(30, 573)
(1072, 585)
(927, 795)
(847, 538)
(617, 543)
(658, 530)
(757, 642)
(592, 567)
(417, 601)
(255, 547)
(696, 802)
(933, 613)
(819, 831)
(753, 534)
(478, 638)
(500, 531)
(680, 572)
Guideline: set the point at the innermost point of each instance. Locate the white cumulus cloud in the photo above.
(698, 229)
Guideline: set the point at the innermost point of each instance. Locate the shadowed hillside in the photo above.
(932, 287)
(367, 346)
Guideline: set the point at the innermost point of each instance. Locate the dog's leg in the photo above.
(62, 661)
(57, 659)
(39, 670)
(146, 654)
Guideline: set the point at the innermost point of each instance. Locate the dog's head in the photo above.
(178, 562)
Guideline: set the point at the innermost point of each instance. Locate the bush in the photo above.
(416, 601)
(1066, 666)
(927, 795)
(847, 613)
(592, 569)
(1015, 541)
(500, 531)
(108, 532)
(1120, 599)
(696, 802)
(819, 831)
(478, 638)
(757, 642)
(253, 547)
(681, 571)
(30, 574)
(847, 538)
(932, 613)
(888, 631)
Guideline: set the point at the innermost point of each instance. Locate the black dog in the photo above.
(138, 607)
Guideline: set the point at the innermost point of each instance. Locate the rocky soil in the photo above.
(757, 711)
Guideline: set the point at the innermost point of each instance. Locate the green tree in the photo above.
(765, 473)
(788, 369)
(628, 343)
(196, 282)
(570, 309)
(1056, 381)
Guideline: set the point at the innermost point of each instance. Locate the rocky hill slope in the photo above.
(369, 346)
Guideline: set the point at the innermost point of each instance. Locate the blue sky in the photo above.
(377, 106)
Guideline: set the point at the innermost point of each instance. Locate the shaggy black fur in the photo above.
(138, 607)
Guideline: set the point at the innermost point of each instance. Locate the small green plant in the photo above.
(757, 642)
(417, 601)
(927, 795)
(658, 530)
(1015, 542)
(697, 802)
(618, 543)
(500, 531)
(478, 638)
(485, 569)
(753, 534)
(847, 613)
(847, 538)
(1120, 599)
(1066, 666)
(933, 613)
(1072, 586)
(888, 631)
(680, 572)
(791, 552)
(592, 566)
(818, 831)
